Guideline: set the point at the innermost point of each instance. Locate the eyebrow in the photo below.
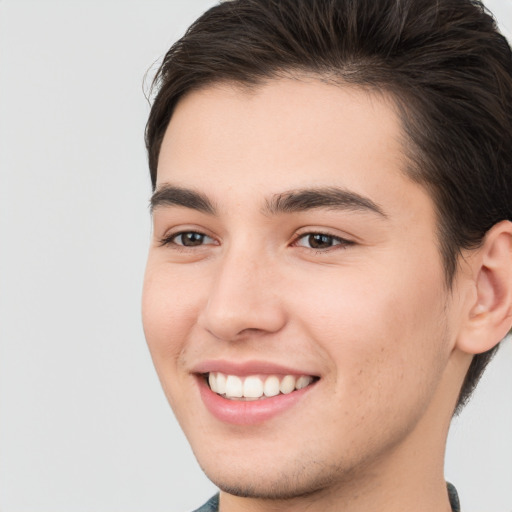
(293, 201)
(170, 195)
(332, 198)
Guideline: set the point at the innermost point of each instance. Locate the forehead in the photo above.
(280, 117)
(285, 134)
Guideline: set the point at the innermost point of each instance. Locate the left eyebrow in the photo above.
(332, 198)
(169, 195)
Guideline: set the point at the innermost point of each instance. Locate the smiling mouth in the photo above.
(256, 387)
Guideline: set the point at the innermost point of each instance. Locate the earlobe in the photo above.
(489, 317)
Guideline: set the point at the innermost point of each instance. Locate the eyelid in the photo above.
(169, 238)
(342, 241)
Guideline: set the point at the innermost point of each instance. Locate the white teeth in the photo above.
(234, 388)
(303, 381)
(287, 384)
(212, 380)
(221, 384)
(271, 387)
(254, 387)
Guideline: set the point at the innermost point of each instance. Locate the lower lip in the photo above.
(240, 412)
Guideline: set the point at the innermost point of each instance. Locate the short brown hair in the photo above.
(444, 62)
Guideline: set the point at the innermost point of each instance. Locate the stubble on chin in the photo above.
(303, 481)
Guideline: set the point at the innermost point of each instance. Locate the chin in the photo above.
(280, 488)
(285, 481)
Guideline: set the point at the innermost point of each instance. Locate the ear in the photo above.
(489, 315)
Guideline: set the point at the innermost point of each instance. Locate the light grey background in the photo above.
(84, 425)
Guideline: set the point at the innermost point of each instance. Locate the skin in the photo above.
(371, 315)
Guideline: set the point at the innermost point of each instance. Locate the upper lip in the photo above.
(243, 368)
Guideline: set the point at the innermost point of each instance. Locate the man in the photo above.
(331, 265)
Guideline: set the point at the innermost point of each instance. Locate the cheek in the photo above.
(168, 315)
(384, 337)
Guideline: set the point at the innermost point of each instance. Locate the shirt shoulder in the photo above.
(212, 505)
(454, 497)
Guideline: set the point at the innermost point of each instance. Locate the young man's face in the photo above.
(289, 247)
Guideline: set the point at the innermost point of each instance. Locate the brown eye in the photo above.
(190, 239)
(321, 241)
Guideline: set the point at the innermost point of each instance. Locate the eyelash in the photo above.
(171, 240)
(336, 241)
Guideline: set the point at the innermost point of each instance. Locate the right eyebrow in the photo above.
(332, 198)
(170, 195)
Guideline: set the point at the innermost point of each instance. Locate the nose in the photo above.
(244, 298)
